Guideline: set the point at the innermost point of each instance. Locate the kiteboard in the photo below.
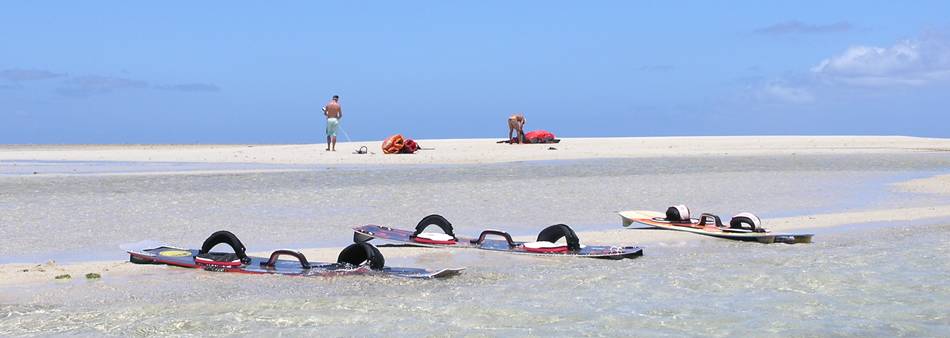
(356, 259)
(546, 245)
(743, 227)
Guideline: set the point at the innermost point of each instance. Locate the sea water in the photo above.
(891, 279)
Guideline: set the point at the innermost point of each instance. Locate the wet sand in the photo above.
(223, 157)
(931, 185)
(875, 189)
(18, 274)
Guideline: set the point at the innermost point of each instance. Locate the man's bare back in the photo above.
(333, 110)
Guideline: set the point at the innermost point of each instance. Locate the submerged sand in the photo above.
(23, 274)
(939, 185)
(486, 151)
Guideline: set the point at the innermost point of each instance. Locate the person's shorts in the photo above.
(332, 125)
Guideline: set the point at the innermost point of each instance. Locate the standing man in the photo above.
(516, 124)
(334, 113)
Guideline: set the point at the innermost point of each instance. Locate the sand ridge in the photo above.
(930, 185)
(475, 151)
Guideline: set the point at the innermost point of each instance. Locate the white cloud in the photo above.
(908, 62)
(921, 61)
(786, 93)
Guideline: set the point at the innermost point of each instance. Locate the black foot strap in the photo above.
(358, 253)
(555, 232)
(225, 237)
(436, 220)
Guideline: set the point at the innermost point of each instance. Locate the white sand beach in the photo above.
(475, 151)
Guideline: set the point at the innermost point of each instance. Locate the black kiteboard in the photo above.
(356, 259)
(545, 245)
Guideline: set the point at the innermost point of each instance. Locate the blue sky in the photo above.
(230, 72)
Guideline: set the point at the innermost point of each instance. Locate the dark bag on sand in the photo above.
(409, 147)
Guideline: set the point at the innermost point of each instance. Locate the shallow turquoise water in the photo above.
(889, 280)
(82, 217)
(884, 282)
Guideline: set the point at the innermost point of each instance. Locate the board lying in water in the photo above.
(744, 226)
(356, 259)
(545, 245)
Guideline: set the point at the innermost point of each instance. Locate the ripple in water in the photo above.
(889, 281)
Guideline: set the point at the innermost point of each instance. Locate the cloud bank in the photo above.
(920, 61)
(909, 62)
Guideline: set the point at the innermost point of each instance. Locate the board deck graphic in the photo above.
(505, 244)
(658, 219)
(299, 266)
